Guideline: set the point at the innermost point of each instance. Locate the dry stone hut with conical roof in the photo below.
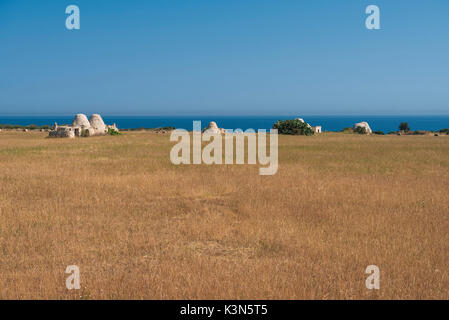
(80, 124)
(97, 123)
(213, 128)
(81, 121)
(364, 125)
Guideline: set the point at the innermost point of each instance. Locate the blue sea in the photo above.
(329, 123)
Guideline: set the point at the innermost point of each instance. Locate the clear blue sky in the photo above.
(224, 57)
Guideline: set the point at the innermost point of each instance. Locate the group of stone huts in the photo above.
(318, 129)
(213, 127)
(81, 127)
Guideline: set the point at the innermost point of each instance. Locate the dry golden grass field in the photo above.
(140, 227)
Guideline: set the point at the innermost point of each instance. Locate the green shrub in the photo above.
(113, 132)
(294, 127)
(379, 132)
(404, 127)
(360, 130)
(446, 131)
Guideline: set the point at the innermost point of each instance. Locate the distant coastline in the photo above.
(329, 123)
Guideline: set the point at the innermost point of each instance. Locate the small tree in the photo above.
(404, 127)
(360, 130)
(295, 127)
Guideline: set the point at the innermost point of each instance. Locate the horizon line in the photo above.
(222, 115)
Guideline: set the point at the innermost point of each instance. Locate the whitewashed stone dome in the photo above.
(97, 123)
(365, 125)
(80, 120)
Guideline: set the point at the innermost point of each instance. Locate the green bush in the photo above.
(379, 133)
(294, 127)
(360, 130)
(446, 131)
(113, 132)
(404, 127)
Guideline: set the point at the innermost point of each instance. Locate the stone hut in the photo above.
(364, 125)
(81, 121)
(81, 127)
(317, 129)
(97, 123)
(213, 128)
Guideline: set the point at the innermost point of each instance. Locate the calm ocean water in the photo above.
(329, 123)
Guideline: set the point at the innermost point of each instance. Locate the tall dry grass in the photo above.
(141, 228)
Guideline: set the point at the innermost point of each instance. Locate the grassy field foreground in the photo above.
(140, 227)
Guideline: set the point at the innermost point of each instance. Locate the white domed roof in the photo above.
(80, 120)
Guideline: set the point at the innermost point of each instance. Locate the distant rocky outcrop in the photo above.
(81, 127)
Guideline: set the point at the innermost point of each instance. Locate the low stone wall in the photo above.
(62, 132)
